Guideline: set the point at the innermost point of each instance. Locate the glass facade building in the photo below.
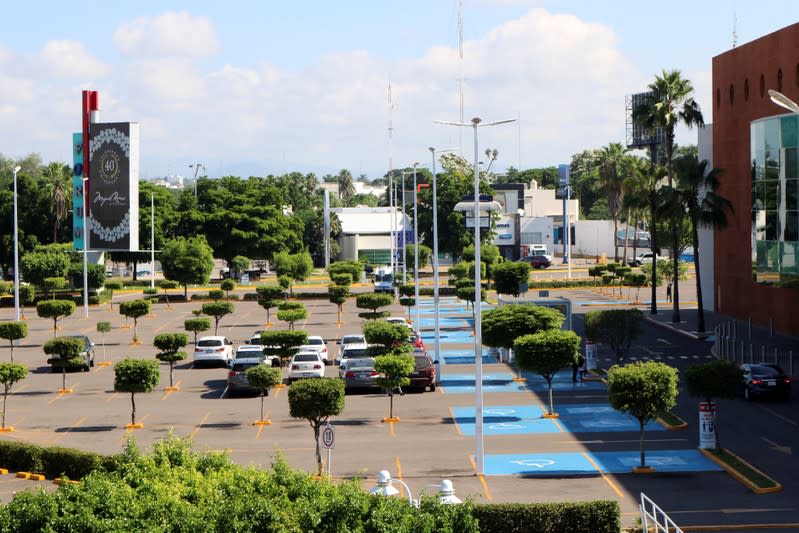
(775, 200)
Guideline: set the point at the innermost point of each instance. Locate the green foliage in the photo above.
(187, 261)
(503, 325)
(218, 310)
(169, 345)
(284, 282)
(135, 308)
(54, 284)
(509, 276)
(467, 294)
(10, 373)
(227, 285)
(385, 337)
(37, 266)
(239, 264)
(167, 284)
(600, 516)
(316, 400)
(53, 462)
(338, 294)
(197, 325)
(13, 331)
(664, 269)
(615, 327)
(149, 291)
(27, 293)
(597, 271)
(394, 370)
(269, 294)
(642, 390)
(263, 377)
(65, 351)
(283, 343)
(406, 301)
(716, 379)
(296, 267)
(373, 302)
(292, 315)
(424, 254)
(465, 270)
(216, 294)
(344, 279)
(290, 306)
(136, 375)
(407, 289)
(353, 268)
(546, 352)
(55, 309)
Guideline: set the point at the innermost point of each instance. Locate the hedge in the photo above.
(601, 516)
(563, 284)
(53, 462)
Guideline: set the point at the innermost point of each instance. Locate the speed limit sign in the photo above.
(328, 437)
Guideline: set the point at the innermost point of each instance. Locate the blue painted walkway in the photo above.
(465, 357)
(503, 382)
(579, 464)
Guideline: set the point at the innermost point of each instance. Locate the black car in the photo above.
(765, 380)
(536, 261)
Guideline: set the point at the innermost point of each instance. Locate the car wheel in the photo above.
(91, 361)
(747, 394)
(432, 387)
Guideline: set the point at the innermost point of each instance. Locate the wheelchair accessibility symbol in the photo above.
(505, 425)
(499, 412)
(540, 463)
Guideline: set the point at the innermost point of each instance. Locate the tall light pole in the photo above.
(85, 253)
(16, 169)
(404, 234)
(152, 241)
(416, 248)
(196, 167)
(478, 341)
(437, 344)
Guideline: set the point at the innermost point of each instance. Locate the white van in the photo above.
(540, 249)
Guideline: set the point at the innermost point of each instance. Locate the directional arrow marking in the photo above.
(784, 449)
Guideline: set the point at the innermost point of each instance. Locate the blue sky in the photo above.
(252, 88)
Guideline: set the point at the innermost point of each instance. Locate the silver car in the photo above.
(359, 373)
(237, 376)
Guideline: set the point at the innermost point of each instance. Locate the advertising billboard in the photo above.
(113, 215)
(77, 191)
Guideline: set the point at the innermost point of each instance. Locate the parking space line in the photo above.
(60, 394)
(482, 479)
(615, 488)
(399, 474)
(557, 423)
(391, 430)
(783, 418)
(112, 397)
(19, 389)
(457, 427)
(167, 393)
(69, 429)
(197, 428)
(261, 426)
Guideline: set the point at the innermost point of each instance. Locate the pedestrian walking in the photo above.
(581, 366)
(668, 291)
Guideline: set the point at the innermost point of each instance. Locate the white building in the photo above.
(367, 232)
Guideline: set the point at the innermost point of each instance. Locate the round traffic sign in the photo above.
(328, 437)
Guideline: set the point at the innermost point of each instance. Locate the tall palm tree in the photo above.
(57, 178)
(696, 186)
(609, 166)
(635, 202)
(346, 186)
(672, 103)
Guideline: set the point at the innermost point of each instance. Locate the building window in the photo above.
(797, 75)
(746, 90)
(762, 86)
(779, 79)
(732, 95)
(718, 102)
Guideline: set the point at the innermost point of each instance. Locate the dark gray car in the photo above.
(237, 376)
(359, 373)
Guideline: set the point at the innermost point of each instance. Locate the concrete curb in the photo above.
(673, 329)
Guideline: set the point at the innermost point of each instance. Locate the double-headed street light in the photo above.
(783, 101)
(416, 249)
(197, 167)
(478, 343)
(16, 168)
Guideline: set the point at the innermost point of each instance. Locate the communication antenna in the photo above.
(390, 190)
(734, 27)
(460, 72)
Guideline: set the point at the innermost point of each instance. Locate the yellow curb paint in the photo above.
(170, 390)
(111, 397)
(105, 363)
(519, 380)
(138, 425)
(550, 415)
(197, 428)
(37, 477)
(613, 486)
(3, 471)
(7, 429)
(391, 419)
(484, 484)
(391, 430)
(23, 475)
(740, 477)
(670, 427)
(262, 423)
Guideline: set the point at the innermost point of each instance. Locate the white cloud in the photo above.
(169, 34)
(70, 59)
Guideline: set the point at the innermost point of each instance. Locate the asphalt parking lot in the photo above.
(434, 439)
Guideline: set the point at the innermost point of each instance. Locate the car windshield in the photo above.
(258, 352)
(241, 367)
(351, 339)
(305, 357)
(209, 342)
(318, 342)
(422, 361)
(83, 338)
(359, 352)
(760, 370)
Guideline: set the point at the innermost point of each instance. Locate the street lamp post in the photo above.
(16, 169)
(152, 241)
(196, 167)
(85, 253)
(437, 344)
(404, 234)
(783, 101)
(416, 250)
(478, 342)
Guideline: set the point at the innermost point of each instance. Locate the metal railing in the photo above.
(740, 347)
(653, 518)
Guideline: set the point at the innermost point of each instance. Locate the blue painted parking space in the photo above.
(583, 418)
(561, 382)
(443, 323)
(580, 464)
(449, 337)
(466, 357)
(465, 383)
(505, 420)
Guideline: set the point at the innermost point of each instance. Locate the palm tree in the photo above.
(58, 176)
(672, 103)
(697, 187)
(635, 200)
(609, 166)
(346, 187)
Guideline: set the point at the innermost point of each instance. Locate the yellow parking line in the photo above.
(20, 388)
(60, 394)
(557, 425)
(197, 428)
(112, 397)
(167, 393)
(391, 429)
(70, 428)
(399, 474)
(606, 478)
(483, 481)
(457, 428)
(261, 427)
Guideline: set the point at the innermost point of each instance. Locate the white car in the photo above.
(398, 320)
(356, 338)
(316, 344)
(255, 351)
(306, 364)
(213, 349)
(643, 259)
(353, 350)
(256, 338)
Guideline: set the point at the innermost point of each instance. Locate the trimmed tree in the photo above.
(64, 352)
(282, 343)
(197, 325)
(296, 267)
(27, 294)
(268, 297)
(10, 373)
(386, 338)
(642, 390)
(344, 279)
(394, 371)
(135, 309)
(316, 400)
(716, 379)
(353, 268)
(407, 293)
(50, 285)
(103, 328)
(291, 312)
(55, 309)
(373, 302)
(510, 277)
(545, 353)
(263, 378)
(165, 285)
(112, 286)
(216, 294)
(239, 265)
(227, 285)
(135, 375)
(338, 294)
(187, 261)
(637, 280)
(13, 331)
(218, 310)
(614, 327)
(170, 345)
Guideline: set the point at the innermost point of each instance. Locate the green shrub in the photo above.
(74, 464)
(22, 456)
(601, 516)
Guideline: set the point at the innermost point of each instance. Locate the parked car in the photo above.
(540, 249)
(643, 259)
(415, 340)
(398, 320)
(349, 339)
(213, 349)
(306, 365)
(765, 380)
(255, 351)
(256, 337)
(237, 376)
(537, 261)
(352, 351)
(424, 373)
(86, 356)
(316, 344)
(359, 373)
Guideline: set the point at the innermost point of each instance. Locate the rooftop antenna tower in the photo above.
(390, 190)
(460, 72)
(734, 27)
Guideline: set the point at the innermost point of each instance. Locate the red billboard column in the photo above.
(91, 105)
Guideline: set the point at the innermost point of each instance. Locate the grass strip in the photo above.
(754, 476)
